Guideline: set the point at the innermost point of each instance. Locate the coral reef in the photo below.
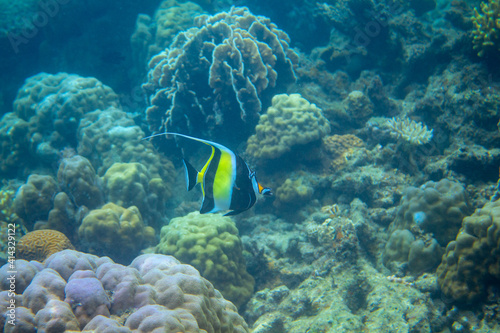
(70, 291)
(34, 199)
(211, 244)
(41, 244)
(486, 27)
(55, 104)
(115, 231)
(358, 106)
(153, 35)
(413, 132)
(427, 219)
(291, 121)
(294, 192)
(14, 143)
(338, 149)
(471, 262)
(78, 179)
(223, 71)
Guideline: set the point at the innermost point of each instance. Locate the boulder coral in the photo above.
(472, 261)
(291, 121)
(211, 244)
(222, 71)
(115, 231)
(56, 103)
(34, 199)
(71, 292)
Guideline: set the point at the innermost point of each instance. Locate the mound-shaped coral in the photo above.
(41, 244)
(153, 35)
(289, 122)
(472, 261)
(34, 199)
(56, 103)
(218, 75)
(436, 208)
(116, 232)
(70, 291)
(211, 244)
(77, 177)
(14, 143)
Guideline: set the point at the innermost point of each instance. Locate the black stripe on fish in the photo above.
(208, 182)
(243, 196)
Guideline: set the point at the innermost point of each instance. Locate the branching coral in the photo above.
(218, 73)
(414, 132)
(487, 27)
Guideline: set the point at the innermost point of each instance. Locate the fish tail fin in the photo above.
(191, 175)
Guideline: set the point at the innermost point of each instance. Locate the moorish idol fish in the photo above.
(227, 183)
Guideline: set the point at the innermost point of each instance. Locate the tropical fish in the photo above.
(227, 183)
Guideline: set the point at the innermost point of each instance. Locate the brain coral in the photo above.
(41, 244)
(472, 261)
(290, 121)
(486, 27)
(218, 73)
(116, 232)
(211, 244)
(70, 291)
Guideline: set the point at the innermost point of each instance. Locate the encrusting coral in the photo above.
(291, 121)
(115, 231)
(71, 291)
(472, 261)
(487, 27)
(220, 72)
(211, 244)
(41, 244)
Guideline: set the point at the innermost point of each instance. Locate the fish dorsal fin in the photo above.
(191, 175)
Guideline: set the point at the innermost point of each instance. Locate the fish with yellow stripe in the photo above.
(227, 183)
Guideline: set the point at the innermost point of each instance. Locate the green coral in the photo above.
(211, 244)
(294, 191)
(472, 261)
(486, 28)
(115, 231)
(290, 121)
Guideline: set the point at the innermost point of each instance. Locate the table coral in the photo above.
(291, 121)
(180, 299)
(219, 73)
(211, 244)
(115, 231)
(486, 28)
(40, 244)
(34, 199)
(472, 261)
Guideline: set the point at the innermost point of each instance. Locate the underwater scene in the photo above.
(244, 166)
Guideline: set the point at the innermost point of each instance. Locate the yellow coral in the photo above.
(290, 121)
(41, 244)
(116, 232)
(486, 27)
(294, 192)
(211, 244)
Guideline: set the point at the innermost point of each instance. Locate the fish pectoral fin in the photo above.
(191, 175)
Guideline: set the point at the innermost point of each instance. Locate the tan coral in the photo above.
(41, 244)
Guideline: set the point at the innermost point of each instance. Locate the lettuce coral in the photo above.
(487, 27)
(218, 74)
(289, 122)
(211, 244)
